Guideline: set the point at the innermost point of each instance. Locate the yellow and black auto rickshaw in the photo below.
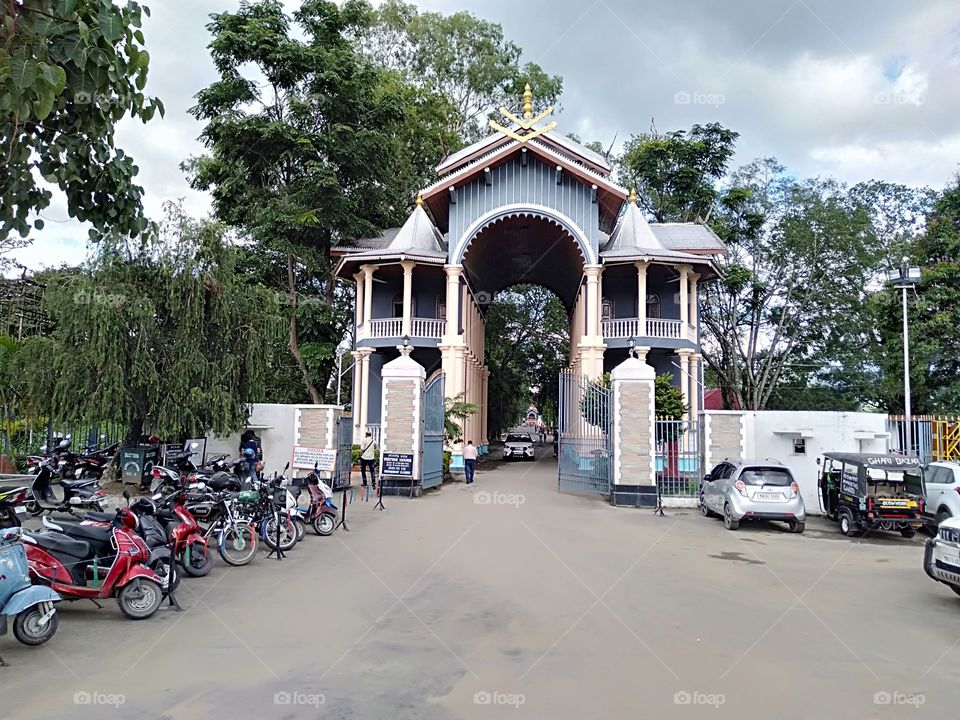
(866, 491)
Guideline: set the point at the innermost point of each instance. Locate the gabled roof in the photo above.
(418, 239)
(635, 239)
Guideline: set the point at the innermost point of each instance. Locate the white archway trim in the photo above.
(518, 210)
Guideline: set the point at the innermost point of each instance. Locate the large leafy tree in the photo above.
(801, 257)
(527, 344)
(676, 173)
(70, 70)
(460, 56)
(164, 333)
(310, 145)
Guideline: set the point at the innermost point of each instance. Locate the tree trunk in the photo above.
(315, 396)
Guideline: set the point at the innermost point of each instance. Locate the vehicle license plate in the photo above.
(20, 510)
(948, 555)
(767, 496)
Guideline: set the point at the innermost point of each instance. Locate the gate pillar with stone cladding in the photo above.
(634, 427)
(401, 426)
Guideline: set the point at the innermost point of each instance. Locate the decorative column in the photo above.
(685, 374)
(592, 342)
(454, 272)
(634, 447)
(694, 306)
(694, 387)
(642, 298)
(684, 302)
(453, 352)
(407, 266)
(368, 271)
(364, 399)
(356, 397)
(484, 415)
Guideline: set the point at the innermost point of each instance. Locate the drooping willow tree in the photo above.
(163, 335)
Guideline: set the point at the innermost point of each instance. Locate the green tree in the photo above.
(461, 57)
(455, 411)
(70, 70)
(309, 145)
(164, 334)
(527, 345)
(675, 173)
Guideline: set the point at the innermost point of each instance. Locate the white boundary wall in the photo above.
(771, 434)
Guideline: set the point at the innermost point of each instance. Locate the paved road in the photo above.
(545, 605)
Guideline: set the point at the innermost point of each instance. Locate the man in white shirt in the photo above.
(469, 461)
(367, 458)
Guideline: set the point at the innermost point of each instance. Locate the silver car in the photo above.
(739, 490)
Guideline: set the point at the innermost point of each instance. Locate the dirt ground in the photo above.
(507, 599)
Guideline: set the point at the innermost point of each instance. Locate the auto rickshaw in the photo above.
(865, 491)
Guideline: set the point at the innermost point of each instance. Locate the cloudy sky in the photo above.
(856, 89)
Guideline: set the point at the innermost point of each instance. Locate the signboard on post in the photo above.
(324, 459)
(397, 464)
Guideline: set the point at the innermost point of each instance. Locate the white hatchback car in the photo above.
(518, 446)
(942, 480)
(942, 557)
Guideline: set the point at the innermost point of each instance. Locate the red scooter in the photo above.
(89, 562)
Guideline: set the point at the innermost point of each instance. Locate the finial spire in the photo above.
(633, 196)
(419, 200)
(527, 102)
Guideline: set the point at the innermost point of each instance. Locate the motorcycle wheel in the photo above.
(239, 545)
(324, 524)
(27, 628)
(33, 507)
(197, 560)
(140, 599)
(300, 526)
(288, 533)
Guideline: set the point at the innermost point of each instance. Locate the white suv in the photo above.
(943, 490)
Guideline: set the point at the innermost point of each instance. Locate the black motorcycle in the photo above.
(77, 494)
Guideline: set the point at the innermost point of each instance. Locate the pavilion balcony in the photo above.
(382, 328)
(624, 328)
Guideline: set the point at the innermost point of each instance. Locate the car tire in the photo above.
(943, 514)
(728, 522)
(704, 510)
(846, 524)
(797, 527)
(908, 532)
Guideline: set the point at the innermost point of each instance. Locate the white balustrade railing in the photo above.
(426, 328)
(393, 328)
(630, 327)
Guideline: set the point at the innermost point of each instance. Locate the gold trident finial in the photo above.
(527, 102)
(633, 196)
(419, 200)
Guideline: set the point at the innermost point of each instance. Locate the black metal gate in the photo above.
(584, 448)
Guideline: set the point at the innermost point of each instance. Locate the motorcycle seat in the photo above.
(77, 482)
(99, 516)
(60, 543)
(90, 533)
(224, 481)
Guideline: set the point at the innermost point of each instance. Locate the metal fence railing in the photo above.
(679, 457)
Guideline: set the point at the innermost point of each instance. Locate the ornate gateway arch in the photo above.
(526, 204)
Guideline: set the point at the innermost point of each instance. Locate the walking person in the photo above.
(469, 461)
(368, 456)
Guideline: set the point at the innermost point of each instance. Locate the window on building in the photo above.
(607, 309)
(441, 308)
(397, 305)
(799, 446)
(653, 306)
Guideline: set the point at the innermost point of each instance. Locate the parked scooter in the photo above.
(13, 506)
(32, 607)
(82, 494)
(321, 513)
(93, 563)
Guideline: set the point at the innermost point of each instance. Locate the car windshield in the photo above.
(766, 476)
(518, 438)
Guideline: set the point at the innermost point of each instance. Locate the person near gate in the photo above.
(368, 454)
(469, 461)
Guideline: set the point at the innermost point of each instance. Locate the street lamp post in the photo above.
(906, 278)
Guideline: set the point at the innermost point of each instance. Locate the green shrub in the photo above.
(447, 456)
